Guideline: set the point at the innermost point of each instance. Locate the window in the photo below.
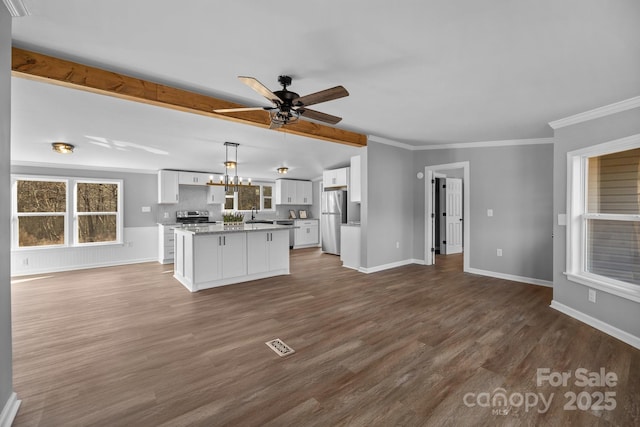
(41, 212)
(258, 196)
(603, 236)
(97, 212)
(42, 206)
(267, 197)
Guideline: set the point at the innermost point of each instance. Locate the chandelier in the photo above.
(231, 181)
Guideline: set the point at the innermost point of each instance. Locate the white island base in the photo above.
(210, 256)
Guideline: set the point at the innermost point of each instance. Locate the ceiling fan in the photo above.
(288, 106)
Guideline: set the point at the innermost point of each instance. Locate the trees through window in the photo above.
(66, 211)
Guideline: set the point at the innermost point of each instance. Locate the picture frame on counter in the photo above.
(303, 214)
(292, 214)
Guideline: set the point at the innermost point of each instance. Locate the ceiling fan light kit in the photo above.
(288, 106)
(62, 147)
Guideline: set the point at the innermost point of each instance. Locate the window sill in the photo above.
(620, 289)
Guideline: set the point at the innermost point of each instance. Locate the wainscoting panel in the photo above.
(140, 245)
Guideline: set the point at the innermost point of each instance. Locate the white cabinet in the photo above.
(285, 192)
(306, 234)
(166, 244)
(192, 178)
(267, 251)
(304, 192)
(215, 194)
(219, 256)
(233, 255)
(336, 178)
(350, 246)
(167, 186)
(209, 259)
(293, 192)
(355, 180)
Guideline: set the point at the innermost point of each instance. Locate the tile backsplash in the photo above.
(192, 198)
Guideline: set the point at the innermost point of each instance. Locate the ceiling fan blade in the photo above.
(317, 115)
(260, 88)
(237, 110)
(322, 96)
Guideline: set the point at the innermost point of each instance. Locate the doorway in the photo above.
(448, 213)
(456, 223)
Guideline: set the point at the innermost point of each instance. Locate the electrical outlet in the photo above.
(397, 245)
(499, 252)
(166, 215)
(25, 261)
(489, 212)
(146, 209)
(592, 295)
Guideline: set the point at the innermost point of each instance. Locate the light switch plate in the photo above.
(562, 219)
(489, 212)
(146, 209)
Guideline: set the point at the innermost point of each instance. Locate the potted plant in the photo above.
(232, 218)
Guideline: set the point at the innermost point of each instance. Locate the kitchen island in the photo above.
(213, 255)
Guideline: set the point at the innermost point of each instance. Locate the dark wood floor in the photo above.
(130, 346)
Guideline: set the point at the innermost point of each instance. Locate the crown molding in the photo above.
(391, 142)
(486, 144)
(478, 144)
(16, 8)
(596, 113)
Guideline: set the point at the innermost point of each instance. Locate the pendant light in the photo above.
(230, 179)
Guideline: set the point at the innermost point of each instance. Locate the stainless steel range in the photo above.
(193, 217)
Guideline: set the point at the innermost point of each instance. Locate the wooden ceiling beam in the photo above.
(49, 69)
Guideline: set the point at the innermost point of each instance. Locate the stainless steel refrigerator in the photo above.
(333, 215)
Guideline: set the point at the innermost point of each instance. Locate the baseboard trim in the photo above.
(514, 278)
(10, 411)
(623, 336)
(86, 266)
(383, 267)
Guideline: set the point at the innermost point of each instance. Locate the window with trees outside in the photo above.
(52, 212)
(604, 217)
(97, 210)
(41, 212)
(258, 196)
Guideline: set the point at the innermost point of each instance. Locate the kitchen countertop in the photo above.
(221, 228)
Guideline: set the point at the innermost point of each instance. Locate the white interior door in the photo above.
(453, 221)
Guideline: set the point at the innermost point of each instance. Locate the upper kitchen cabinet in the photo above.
(304, 192)
(355, 184)
(216, 194)
(293, 192)
(336, 178)
(192, 178)
(167, 186)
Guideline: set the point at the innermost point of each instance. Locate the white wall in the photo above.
(8, 405)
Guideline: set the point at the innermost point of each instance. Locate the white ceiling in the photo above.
(418, 72)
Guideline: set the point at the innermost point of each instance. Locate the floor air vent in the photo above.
(279, 347)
